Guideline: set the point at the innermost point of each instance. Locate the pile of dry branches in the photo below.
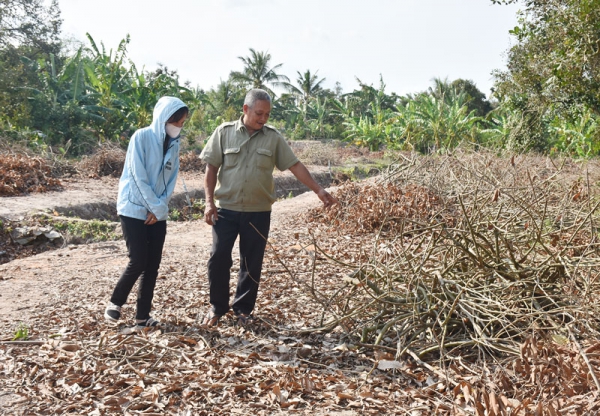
(20, 174)
(191, 162)
(107, 160)
(464, 253)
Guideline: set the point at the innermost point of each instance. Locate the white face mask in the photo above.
(172, 130)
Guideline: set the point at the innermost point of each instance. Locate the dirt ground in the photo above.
(27, 284)
(30, 287)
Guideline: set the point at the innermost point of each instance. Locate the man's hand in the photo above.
(327, 198)
(210, 181)
(210, 213)
(304, 176)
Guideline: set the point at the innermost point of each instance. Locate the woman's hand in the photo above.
(150, 219)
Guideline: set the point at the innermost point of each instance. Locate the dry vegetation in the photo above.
(464, 260)
(20, 174)
(333, 153)
(459, 284)
(107, 160)
(461, 252)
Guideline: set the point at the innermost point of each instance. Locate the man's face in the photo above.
(257, 116)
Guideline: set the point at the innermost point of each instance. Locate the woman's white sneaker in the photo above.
(112, 313)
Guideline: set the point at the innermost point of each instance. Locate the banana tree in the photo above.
(577, 137)
(138, 98)
(58, 106)
(374, 126)
(319, 113)
(429, 122)
(108, 79)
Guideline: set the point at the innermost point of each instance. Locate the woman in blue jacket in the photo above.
(145, 188)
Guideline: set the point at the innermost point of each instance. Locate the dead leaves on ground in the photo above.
(283, 364)
(187, 373)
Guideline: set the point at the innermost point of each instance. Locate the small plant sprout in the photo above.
(22, 332)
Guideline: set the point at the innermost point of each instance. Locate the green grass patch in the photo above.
(360, 171)
(79, 231)
(192, 212)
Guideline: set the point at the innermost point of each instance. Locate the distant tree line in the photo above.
(60, 97)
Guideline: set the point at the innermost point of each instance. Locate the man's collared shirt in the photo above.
(245, 177)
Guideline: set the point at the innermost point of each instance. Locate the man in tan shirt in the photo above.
(240, 157)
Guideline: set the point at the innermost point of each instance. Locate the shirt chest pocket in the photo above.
(231, 156)
(264, 159)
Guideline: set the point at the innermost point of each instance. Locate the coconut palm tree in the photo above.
(309, 87)
(258, 73)
(226, 95)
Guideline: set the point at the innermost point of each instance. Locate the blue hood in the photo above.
(149, 175)
(163, 110)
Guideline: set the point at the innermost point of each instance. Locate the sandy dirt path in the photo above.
(28, 284)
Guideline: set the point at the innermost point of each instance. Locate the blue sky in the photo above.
(407, 42)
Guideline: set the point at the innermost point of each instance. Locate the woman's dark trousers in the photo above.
(144, 248)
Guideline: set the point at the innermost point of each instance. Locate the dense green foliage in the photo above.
(67, 100)
(551, 88)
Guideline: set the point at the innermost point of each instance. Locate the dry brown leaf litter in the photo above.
(283, 364)
(20, 174)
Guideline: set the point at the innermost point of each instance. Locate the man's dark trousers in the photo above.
(253, 230)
